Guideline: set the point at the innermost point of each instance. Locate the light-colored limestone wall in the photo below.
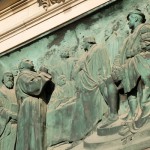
(28, 21)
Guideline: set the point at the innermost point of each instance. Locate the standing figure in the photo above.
(8, 113)
(88, 73)
(148, 11)
(131, 67)
(94, 62)
(32, 95)
(112, 43)
(114, 38)
(66, 64)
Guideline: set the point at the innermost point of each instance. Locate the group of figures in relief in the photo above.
(23, 110)
(23, 105)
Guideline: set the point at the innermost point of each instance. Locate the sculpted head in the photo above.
(8, 80)
(87, 42)
(135, 18)
(61, 80)
(108, 33)
(64, 53)
(121, 24)
(26, 64)
(115, 26)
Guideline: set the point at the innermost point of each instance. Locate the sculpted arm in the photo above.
(79, 65)
(5, 113)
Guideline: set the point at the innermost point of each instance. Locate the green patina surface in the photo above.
(78, 65)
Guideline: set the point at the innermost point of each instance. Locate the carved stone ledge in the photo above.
(19, 26)
(33, 20)
(48, 3)
(7, 3)
(12, 8)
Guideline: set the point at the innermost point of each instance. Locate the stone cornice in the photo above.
(16, 7)
(39, 22)
(31, 21)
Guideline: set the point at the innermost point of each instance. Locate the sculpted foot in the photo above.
(111, 119)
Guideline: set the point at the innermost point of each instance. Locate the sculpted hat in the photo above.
(90, 40)
(138, 12)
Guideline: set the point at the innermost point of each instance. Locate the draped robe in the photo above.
(134, 57)
(32, 98)
(7, 125)
(90, 105)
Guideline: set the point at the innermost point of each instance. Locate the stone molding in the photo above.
(48, 3)
(40, 16)
(30, 26)
(16, 7)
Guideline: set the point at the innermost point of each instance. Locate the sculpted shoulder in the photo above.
(145, 28)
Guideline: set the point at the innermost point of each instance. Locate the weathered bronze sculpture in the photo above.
(148, 11)
(99, 99)
(89, 71)
(32, 96)
(130, 76)
(63, 92)
(8, 113)
(130, 70)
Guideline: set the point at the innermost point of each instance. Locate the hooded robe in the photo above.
(32, 96)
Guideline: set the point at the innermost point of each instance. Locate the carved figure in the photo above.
(113, 42)
(65, 65)
(131, 67)
(8, 113)
(64, 91)
(32, 92)
(148, 10)
(88, 60)
(113, 39)
(108, 33)
(89, 70)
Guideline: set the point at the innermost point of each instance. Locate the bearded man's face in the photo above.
(9, 81)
